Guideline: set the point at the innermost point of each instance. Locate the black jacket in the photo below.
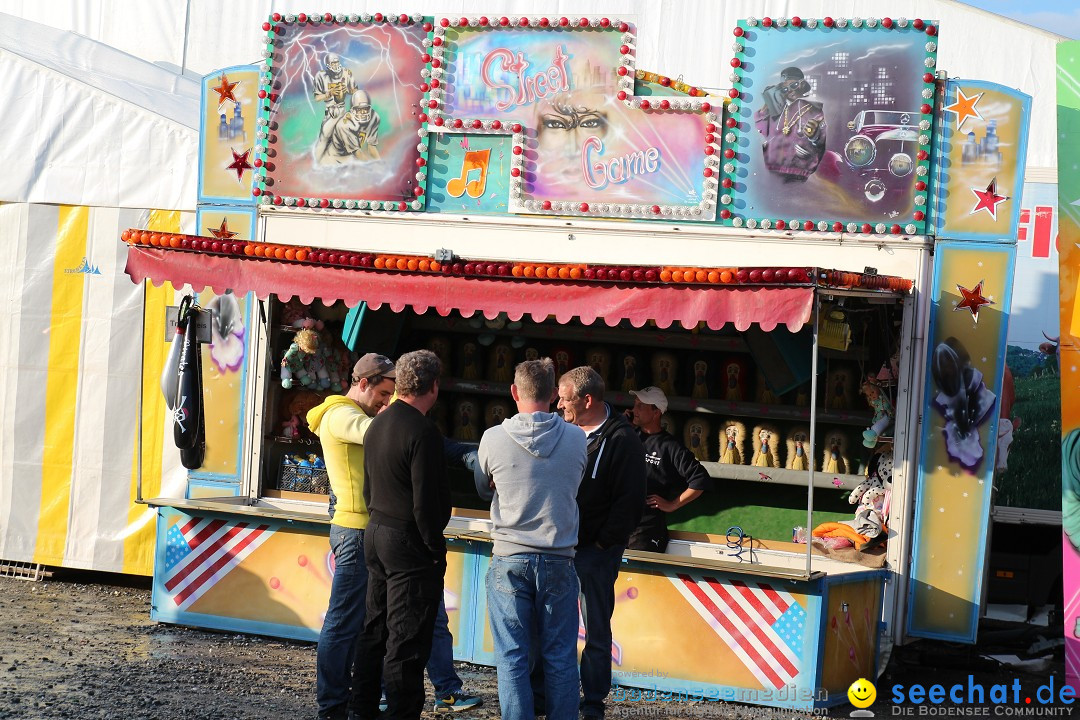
(405, 484)
(612, 493)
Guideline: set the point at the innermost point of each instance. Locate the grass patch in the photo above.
(1033, 479)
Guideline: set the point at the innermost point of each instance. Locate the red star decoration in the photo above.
(225, 89)
(223, 232)
(239, 164)
(973, 300)
(988, 199)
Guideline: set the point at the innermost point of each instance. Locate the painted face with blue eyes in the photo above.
(564, 123)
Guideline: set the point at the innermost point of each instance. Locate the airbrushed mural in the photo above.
(345, 98)
(833, 125)
(582, 143)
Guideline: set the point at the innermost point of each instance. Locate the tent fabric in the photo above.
(93, 125)
(70, 359)
(613, 303)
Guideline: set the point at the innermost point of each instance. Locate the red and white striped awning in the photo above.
(613, 303)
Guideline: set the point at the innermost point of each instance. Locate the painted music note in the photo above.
(474, 161)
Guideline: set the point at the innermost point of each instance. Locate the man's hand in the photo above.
(811, 128)
(655, 501)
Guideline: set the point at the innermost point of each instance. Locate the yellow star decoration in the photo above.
(964, 107)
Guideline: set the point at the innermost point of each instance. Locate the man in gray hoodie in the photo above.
(536, 461)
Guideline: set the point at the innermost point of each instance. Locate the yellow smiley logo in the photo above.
(862, 693)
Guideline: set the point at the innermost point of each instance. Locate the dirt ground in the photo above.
(83, 646)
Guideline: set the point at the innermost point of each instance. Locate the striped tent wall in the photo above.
(70, 359)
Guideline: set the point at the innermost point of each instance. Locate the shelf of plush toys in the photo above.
(684, 404)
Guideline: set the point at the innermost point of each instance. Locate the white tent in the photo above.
(98, 141)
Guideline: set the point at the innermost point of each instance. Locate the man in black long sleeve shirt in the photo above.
(610, 501)
(408, 502)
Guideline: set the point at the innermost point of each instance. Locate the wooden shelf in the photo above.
(650, 337)
(781, 476)
(683, 404)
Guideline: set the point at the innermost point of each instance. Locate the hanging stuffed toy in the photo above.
(629, 373)
(664, 367)
(564, 360)
(495, 412)
(873, 495)
(734, 374)
(501, 363)
(700, 386)
(798, 447)
(765, 395)
(733, 442)
(470, 361)
(297, 361)
(466, 421)
(696, 438)
(884, 412)
(835, 453)
(840, 387)
(599, 359)
(765, 440)
(440, 345)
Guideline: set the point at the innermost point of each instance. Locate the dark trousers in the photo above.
(405, 585)
(597, 571)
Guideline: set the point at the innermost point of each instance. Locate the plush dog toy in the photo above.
(733, 442)
(696, 438)
(765, 440)
(884, 412)
(798, 445)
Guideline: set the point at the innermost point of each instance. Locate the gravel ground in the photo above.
(83, 646)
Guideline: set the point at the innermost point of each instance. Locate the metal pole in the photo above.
(187, 26)
(139, 398)
(813, 432)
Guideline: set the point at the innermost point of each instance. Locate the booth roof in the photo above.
(689, 305)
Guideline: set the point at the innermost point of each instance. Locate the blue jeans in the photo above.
(598, 570)
(532, 607)
(343, 621)
(440, 666)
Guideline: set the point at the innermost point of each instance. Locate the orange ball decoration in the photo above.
(301, 255)
(714, 276)
(530, 271)
(125, 236)
(665, 276)
(553, 272)
(290, 254)
(249, 250)
(517, 271)
(144, 237)
(726, 276)
(413, 265)
(575, 273)
(701, 276)
(174, 241)
(155, 240)
(564, 273)
(279, 253)
(424, 265)
(436, 266)
(541, 271)
(380, 262)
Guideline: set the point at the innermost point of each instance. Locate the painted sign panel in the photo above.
(965, 361)
(983, 151)
(227, 135)
(1033, 431)
(1068, 124)
(345, 97)
(588, 145)
(469, 173)
(833, 125)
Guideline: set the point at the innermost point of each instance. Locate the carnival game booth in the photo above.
(515, 187)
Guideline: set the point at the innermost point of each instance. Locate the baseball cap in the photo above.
(373, 364)
(652, 395)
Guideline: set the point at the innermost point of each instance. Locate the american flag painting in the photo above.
(199, 551)
(762, 625)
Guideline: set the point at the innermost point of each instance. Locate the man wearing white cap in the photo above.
(673, 475)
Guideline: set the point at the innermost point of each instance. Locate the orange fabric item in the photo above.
(835, 529)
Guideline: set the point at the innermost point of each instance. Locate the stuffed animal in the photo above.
(501, 363)
(835, 453)
(734, 376)
(531, 353)
(297, 364)
(802, 395)
(466, 421)
(798, 448)
(696, 437)
(700, 387)
(599, 359)
(872, 496)
(495, 412)
(765, 395)
(733, 442)
(664, 367)
(766, 438)
(470, 361)
(297, 315)
(564, 360)
(840, 387)
(629, 373)
(440, 345)
(884, 412)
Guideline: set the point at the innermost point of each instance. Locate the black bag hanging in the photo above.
(192, 458)
(187, 410)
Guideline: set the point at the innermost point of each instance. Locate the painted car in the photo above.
(882, 151)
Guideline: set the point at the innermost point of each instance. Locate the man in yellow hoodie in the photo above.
(341, 422)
